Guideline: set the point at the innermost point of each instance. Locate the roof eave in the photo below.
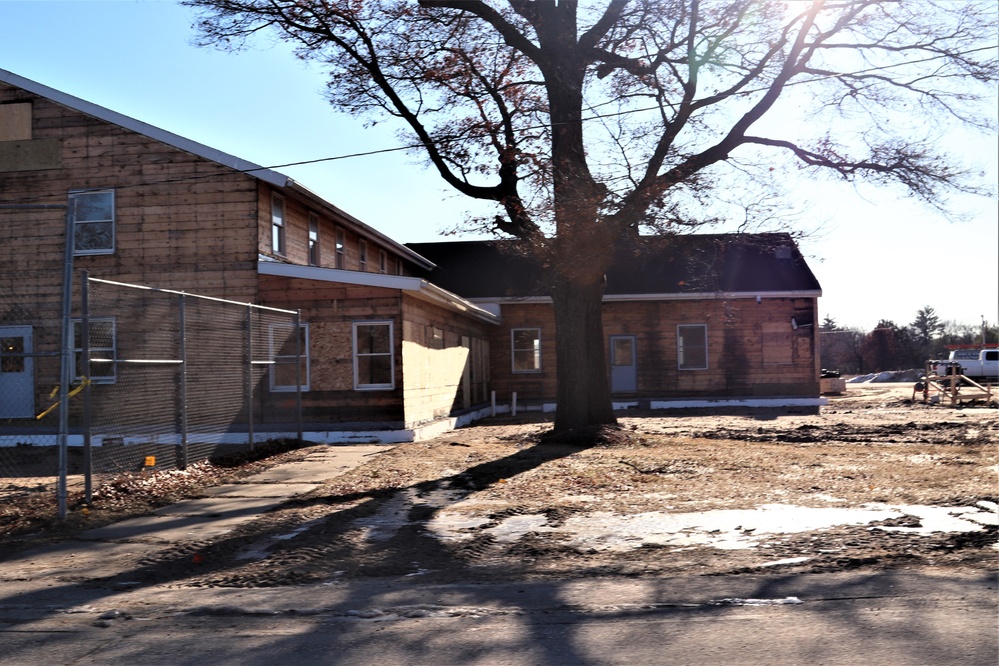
(692, 296)
(415, 287)
(243, 166)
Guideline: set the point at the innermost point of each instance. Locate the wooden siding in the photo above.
(181, 221)
(331, 309)
(444, 359)
(297, 214)
(752, 349)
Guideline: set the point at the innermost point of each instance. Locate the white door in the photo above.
(624, 375)
(17, 373)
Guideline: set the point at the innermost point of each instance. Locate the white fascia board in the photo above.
(699, 296)
(169, 138)
(417, 287)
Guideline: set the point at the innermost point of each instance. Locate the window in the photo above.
(102, 350)
(398, 266)
(339, 248)
(277, 225)
(283, 354)
(526, 349)
(374, 365)
(692, 346)
(382, 262)
(93, 221)
(313, 240)
(362, 254)
(14, 361)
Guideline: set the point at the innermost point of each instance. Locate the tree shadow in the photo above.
(552, 630)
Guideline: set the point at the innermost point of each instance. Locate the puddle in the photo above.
(722, 529)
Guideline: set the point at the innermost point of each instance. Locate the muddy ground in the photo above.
(873, 481)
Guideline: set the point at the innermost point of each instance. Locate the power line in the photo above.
(7, 204)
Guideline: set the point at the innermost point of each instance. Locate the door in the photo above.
(17, 374)
(624, 375)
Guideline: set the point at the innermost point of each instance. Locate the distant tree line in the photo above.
(889, 346)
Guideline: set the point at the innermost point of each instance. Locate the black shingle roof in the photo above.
(696, 263)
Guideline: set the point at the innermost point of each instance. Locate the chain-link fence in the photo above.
(175, 377)
(160, 379)
(30, 341)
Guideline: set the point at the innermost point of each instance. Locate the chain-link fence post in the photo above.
(182, 323)
(66, 364)
(88, 460)
(249, 376)
(298, 372)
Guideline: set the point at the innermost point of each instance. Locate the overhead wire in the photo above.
(416, 146)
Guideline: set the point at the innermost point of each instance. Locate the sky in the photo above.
(876, 255)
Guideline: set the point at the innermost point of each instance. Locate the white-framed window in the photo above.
(692, 346)
(103, 350)
(382, 261)
(374, 360)
(283, 354)
(313, 239)
(278, 242)
(525, 349)
(399, 270)
(93, 221)
(362, 254)
(340, 248)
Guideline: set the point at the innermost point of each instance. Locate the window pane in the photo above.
(622, 352)
(526, 349)
(93, 206)
(526, 360)
(102, 334)
(525, 339)
(284, 342)
(100, 365)
(693, 347)
(373, 339)
(11, 346)
(374, 370)
(93, 236)
(284, 372)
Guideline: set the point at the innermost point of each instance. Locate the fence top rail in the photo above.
(184, 293)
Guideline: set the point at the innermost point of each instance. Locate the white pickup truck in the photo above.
(977, 364)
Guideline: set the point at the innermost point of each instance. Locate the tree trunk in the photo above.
(583, 391)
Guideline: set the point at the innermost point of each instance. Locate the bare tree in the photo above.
(588, 122)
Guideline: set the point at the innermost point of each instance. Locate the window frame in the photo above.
(382, 261)
(279, 226)
(315, 255)
(384, 386)
(77, 323)
(680, 364)
(277, 359)
(340, 238)
(74, 195)
(362, 254)
(536, 351)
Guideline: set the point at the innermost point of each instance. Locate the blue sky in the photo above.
(875, 254)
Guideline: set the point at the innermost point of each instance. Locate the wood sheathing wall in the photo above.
(445, 359)
(330, 309)
(297, 214)
(752, 349)
(181, 222)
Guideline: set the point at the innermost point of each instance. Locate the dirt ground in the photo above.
(663, 494)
